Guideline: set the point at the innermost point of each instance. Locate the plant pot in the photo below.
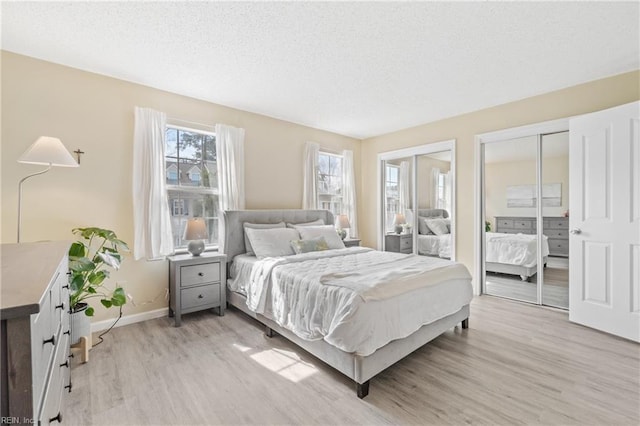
(80, 323)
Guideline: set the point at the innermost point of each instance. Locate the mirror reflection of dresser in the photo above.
(555, 228)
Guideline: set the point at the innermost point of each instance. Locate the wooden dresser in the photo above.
(34, 313)
(555, 228)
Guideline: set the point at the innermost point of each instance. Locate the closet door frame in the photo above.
(539, 129)
(414, 153)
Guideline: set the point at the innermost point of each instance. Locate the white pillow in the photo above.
(318, 222)
(272, 242)
(246, 225)
(327, 231)
(438, 226)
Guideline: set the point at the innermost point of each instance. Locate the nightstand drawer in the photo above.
(405, 243)
(558, 246)
(523, 224)
(504, 223)
(199, 296)
(199, 274)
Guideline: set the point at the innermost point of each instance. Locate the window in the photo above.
(330, 182)
(392, 191)
(192, 181)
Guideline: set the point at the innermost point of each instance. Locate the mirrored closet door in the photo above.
(417, 200)
(525, 199)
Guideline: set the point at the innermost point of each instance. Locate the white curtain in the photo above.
(404, 196)
(435, 174)
(447, 192)
(153, 238)
(230, 151)
(310, 178)
(349, 192)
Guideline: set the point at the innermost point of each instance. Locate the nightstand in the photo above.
(196, 283)
(400, 243)
(351, 242)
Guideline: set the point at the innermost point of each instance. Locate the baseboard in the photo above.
(129, 319)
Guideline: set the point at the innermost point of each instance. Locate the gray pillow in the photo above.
(438, 226)
(272, 242)
(247, 225)
(423, 228)
(318, 222)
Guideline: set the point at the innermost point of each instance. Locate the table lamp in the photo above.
(46, 151)
(342, 224)
(195, 232)
(398, 221)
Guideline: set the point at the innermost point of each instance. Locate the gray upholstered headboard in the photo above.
(231, 239)
(433, 213)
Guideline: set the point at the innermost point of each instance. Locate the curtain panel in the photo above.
(153, 238)
(310, 176)
(404, 187)
(230, 151)
(349, 192)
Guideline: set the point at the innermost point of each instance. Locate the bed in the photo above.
(515, 254)
(341, 344)
(430, 244)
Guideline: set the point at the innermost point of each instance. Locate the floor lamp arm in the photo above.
(20, 195)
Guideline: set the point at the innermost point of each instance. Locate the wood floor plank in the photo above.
(516, 364)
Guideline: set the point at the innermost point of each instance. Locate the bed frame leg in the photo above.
(465, 323)
(269, 332)
(362, 389)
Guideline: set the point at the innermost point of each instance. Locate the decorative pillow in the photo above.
(247, 225)
(305, 246)
(438, 226)
(272, 242)
(326, 231)
(423, 228)
(318, 222)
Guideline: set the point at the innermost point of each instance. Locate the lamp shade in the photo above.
(196, 229)
(399, 219)
(48, 151)
(342, 222)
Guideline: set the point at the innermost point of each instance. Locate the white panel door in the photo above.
(604, 222)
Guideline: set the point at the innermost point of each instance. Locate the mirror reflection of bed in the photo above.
(511, 202)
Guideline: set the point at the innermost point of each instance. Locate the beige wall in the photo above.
(95, 113)
(425, 178)
(589, 97)
(500, 175)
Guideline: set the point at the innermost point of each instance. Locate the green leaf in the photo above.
(76, 283)
(106, 303)
(89, 311)
(110, 260)
(96, 278)
(119, 298)
(91, 290)
(77, 249)
(80, 264)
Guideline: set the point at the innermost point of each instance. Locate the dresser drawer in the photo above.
(523, 224)
(504, 223)
(558, 246)
(559, 223)
(556, 233)
(200, 296)
(199, 274)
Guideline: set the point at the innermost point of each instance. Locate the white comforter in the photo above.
(356, 299)
(514, 249)
(435, 245)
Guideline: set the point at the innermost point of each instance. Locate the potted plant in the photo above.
(90, 259)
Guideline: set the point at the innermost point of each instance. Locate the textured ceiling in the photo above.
(359, 69)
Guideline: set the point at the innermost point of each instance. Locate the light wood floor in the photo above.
(516, 364)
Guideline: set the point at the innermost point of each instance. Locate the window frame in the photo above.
(335, 205)
(190, 189)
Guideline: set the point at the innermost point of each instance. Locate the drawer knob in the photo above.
(68, 387)
(200, 296)
(60, 306)
(52, 340)
(68, 332)
(65, 364)
(66, 286)
(57, 418)
(201, 274)
(576, 231)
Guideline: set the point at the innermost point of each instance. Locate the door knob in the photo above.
(576, 231)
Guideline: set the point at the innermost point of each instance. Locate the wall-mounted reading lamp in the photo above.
(47, 151)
